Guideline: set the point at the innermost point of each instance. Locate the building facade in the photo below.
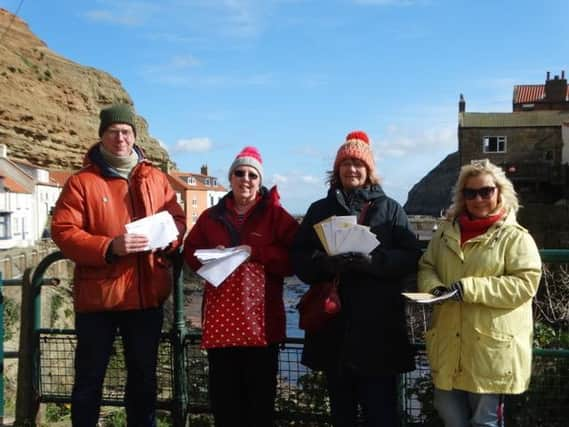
(196, 192)
(531, 143)
(27, 195)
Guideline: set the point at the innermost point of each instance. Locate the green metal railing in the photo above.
(301, 394)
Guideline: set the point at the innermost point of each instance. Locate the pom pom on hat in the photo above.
(118, 113)
(357, 146)
(249, 156)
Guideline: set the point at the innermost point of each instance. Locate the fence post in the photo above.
(179, 333)
(27, 402)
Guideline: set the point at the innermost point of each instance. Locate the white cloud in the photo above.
(279, 179)
(125, 13)
(193, 145)
(178, 63)
(309, 179)
(402, 142)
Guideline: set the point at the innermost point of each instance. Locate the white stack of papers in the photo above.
(160, 229)
(218, 264)
(340, 234)
(426, 298)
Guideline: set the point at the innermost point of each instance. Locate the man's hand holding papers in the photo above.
(160, 230)
(218, 264)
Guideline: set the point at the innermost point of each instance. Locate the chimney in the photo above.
(204, 170)
(556, 89)
(461, 104)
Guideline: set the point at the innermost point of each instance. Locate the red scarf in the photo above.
(472, 227)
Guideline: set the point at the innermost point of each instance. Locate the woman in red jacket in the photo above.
(242, 379)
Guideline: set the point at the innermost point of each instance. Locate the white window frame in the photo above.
(500, 141)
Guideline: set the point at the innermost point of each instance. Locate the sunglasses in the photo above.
(483, 192)
(241, 174)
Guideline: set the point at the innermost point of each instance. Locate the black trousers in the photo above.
(376, 396)
(242, 385)
(140, 331)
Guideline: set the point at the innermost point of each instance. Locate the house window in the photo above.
(194, 202)
(194, 218)
(5, 225)
(494, 144)
(211, 200)
(206, 181)
(191, 180)
(213, 181)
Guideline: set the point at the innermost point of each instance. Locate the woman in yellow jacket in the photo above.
(480, 342)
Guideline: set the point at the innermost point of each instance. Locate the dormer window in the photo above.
(191, 180)
(214, 182)
(206, 181)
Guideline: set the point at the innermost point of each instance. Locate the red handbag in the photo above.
(233, 314)
(318, 305)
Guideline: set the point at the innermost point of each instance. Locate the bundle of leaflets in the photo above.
(341, 234)
(218, 264)
(160, 229)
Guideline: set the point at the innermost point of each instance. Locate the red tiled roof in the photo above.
(60, 176)
(528, 94)
(14, 187)
(200, 181)
(176, 183)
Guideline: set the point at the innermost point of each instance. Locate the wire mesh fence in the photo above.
(57, 350)
(301, 394)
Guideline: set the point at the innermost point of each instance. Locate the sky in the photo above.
(293, 77)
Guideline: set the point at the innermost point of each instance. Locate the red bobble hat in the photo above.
(249, 156)
(357, 146)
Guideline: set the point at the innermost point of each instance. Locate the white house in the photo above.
(27, 195)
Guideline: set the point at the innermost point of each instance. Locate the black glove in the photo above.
(457, 286)
(357, 261)
(441, 290)
(330, 264)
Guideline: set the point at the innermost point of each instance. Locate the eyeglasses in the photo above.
(242, 174)
(483, 192)
(115, 133)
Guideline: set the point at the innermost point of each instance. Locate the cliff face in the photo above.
(432, 193)
(49, 105)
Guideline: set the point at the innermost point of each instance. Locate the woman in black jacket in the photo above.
(365, 347)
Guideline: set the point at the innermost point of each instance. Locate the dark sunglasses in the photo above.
(241, 174)
(483, 192)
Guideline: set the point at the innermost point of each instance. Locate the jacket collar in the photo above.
(94, 157)
(354, 200)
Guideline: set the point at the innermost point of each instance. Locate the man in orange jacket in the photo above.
(118, 283)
